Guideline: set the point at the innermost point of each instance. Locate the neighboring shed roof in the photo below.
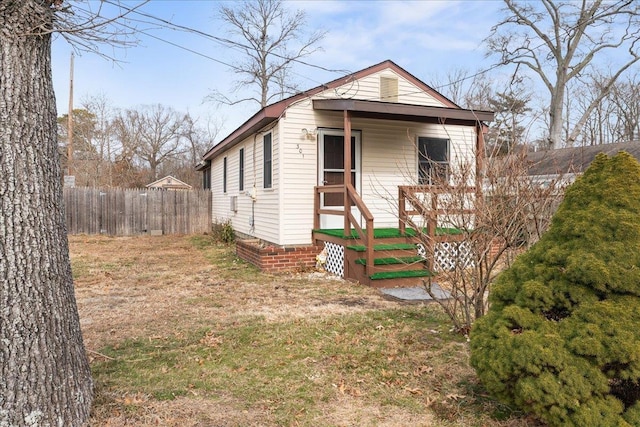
(169, 182)
(271, 113)
(575, 159)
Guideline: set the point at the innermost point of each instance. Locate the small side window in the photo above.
(224, 175)
(241, 169)
(267, 168)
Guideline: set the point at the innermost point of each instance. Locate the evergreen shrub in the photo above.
(561, 339)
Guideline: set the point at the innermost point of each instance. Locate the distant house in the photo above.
(566, 164)
(279, 179)
(169, 183)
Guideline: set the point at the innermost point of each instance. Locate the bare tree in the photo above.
(151, 135)
(46, 380)
(472, 234)
(599, 128)
(466, 89)
(479, 91)
(616, 118)
(271, 40)
(626, 97)
(103, 138)
(562, 40)
(198, 139)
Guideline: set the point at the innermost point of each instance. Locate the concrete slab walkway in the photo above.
(416, 294)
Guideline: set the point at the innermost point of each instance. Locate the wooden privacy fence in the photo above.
(126, 211)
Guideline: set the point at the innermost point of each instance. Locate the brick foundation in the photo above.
(273, 258)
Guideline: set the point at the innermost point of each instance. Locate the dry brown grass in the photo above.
(131, 287)
(147, 288)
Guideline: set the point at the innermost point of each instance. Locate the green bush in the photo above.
(562, 336)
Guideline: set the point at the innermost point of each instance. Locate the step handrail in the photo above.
(366, 234)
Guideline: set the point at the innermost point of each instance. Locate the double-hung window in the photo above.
(241, 170)
(267, 166)
(433, 160)
(224, 175)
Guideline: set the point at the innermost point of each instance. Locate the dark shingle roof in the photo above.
(575, 159)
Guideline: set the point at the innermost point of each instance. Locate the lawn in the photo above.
(181, 333)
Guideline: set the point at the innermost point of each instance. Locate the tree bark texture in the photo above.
(45, 378)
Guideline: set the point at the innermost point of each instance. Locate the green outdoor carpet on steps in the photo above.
(401, 274)
(392, 260)
(383, 247)
(385, 233)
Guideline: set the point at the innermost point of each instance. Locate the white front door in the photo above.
(331, 172)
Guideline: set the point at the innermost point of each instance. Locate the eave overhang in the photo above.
(260, 120)
(205, 164)
(404, 112)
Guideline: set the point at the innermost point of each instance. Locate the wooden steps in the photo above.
(396, 262)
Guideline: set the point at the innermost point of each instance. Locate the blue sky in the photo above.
(428, 38)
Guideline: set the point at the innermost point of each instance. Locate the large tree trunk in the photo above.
(556, 116)
(45, 376)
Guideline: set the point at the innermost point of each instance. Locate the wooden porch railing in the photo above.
(366, 234)
(426, 209)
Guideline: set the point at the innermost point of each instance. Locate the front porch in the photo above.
(382, 257)
(419, 246)
(407, 255)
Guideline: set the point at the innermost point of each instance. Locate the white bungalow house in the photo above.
(280, 177)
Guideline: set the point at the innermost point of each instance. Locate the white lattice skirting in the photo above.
(449, 255)
(335, 259)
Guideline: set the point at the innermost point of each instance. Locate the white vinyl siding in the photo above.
(390, 157)
(368, 88)
(260, 220)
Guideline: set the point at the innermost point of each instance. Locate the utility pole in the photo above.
(70, 122)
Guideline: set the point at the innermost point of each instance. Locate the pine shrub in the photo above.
(561, 339)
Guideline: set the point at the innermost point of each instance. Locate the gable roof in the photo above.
(168, 182)
(273, 112)
(575, 159)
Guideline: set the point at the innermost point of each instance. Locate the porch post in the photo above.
(480, 127)
(347, 171)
